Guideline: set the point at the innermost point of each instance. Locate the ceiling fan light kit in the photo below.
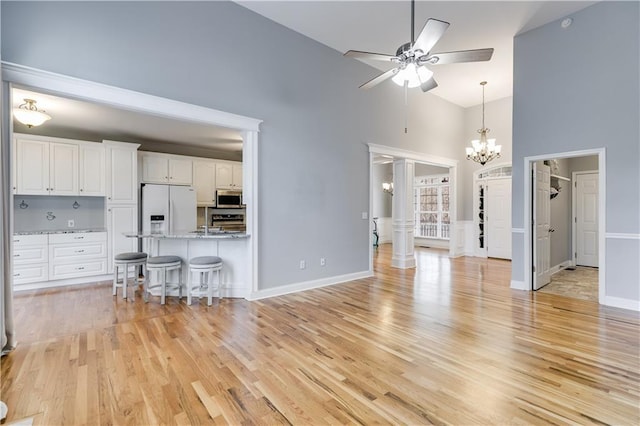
(29, 115)
(411, 58)
(483, 150)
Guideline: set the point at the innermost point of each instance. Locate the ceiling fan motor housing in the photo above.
(405, 50)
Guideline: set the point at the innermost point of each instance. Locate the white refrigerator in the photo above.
(168, 209)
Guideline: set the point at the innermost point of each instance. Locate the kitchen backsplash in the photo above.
(48, 213)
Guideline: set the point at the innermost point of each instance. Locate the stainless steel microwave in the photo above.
(228, 199)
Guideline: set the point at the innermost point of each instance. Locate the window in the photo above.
(431, 206)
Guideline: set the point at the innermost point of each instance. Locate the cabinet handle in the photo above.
(78, 238)
(79, 251)
(80, 268)
(16, 275)
(16, 241)
(16, 255)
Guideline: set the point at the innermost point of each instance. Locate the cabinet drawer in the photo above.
(78, 237)
(78, 269)
(30, 240)
(30, 274)
(76, 252)
(27, 254)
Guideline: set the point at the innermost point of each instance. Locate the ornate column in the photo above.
(402, 215)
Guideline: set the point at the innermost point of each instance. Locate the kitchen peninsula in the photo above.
(231, 246)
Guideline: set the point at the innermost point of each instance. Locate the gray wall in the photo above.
(381, 202)
(564, 100)
(427, 169)
(89, 214)
(313, 159)
(498, 118)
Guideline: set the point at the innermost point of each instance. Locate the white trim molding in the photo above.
(519, 285)
(517, 230)
(622, 236)
(308, 285)
(559, 267)
(619, 302)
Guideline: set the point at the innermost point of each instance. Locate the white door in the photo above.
(92, 181)
(155, 169)
(224, 175)
(63, 169)
(121, 219)
(586, 219)
(204, 181)
(498, 218)
(541, 224)
(180, 171)
(182, 209)
(32, 167)
(122, 176)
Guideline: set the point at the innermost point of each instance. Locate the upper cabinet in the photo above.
(204, 181)
(92, 170)
(122, 172)
(228, 176)
(44, 167)
(164, 168)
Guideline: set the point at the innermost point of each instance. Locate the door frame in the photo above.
(602, 196)
(419, 157)
(117, 97)
(574, 199)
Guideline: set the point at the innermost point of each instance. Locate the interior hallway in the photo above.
(448, 343)
(579, 283)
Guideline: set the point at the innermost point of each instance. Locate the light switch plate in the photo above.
(365, 215)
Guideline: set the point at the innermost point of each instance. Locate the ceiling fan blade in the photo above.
(379, 79)
(444, 58)
(357, 54)
(428, 85)
(431, 33)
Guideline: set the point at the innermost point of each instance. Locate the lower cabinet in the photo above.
(77, 255)
(30, 259)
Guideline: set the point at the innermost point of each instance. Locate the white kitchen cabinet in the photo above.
(46, 166)
(30, 259)
(121, 219)
(228, 176)
(163, 168)
(204, 182)
(32, 167)
(92, 170)
(122, 172)
(77, 255)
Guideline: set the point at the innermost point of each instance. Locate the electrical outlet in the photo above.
(323, 261)
(71, 223)
(303, 264)
(365, 215)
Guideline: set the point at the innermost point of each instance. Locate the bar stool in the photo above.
(163, 264)
(204, 266)
(126, 261)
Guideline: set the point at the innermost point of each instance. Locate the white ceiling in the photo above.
(76, 119)
(382, 26)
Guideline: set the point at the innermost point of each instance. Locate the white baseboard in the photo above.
(308, 285)
(619, 302)
(519, 285)
(62, 283)
(559, 267)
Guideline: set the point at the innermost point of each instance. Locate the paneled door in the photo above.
(498, 219)
(541, 223)
(586, 219)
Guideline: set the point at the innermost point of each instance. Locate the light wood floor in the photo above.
(446, 343)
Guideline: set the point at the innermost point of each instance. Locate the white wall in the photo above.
(566, 101)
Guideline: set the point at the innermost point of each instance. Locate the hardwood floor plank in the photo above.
(446, 343)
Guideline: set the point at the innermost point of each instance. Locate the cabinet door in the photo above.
(92, 181)
(32, 167)
(155, 169)
(122, 175)
(180, 171)
(121, 219)
(204, 181)
(224, 175)
(237, 176)
(63, 169)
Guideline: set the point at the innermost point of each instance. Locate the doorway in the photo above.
(567, 226)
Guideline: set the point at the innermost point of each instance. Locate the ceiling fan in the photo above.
(411, 58)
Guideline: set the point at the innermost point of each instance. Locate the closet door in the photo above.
(498, 219)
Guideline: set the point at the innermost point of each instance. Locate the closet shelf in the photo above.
(561, 178)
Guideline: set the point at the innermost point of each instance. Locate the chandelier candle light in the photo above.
(484, 150)
(29, 115)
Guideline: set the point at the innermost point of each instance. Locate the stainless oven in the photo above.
(228, 199)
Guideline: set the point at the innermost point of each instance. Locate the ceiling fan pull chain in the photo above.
(406, 105)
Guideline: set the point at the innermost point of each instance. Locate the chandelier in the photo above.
(483, 150)
(29, 115)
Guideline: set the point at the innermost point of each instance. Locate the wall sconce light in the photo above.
(29, 115)
(387, 187)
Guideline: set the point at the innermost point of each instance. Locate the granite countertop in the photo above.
(196, 235)
(60, 231)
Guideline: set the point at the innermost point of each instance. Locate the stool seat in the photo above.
(157, 260)
(205, 260)
(130, 256)
(124, 261)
